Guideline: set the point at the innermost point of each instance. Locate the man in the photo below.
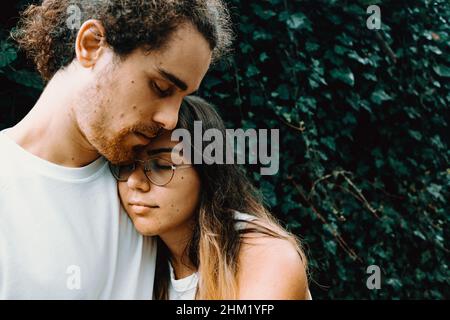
(114, 83)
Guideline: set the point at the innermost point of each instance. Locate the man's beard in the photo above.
(114, 148)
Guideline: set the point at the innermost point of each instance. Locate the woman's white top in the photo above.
(182, 289)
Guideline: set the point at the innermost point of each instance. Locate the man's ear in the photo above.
(90, 43)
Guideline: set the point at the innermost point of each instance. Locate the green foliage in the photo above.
(363, 118)
(26, 78)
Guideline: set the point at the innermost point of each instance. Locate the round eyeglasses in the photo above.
(158, 171)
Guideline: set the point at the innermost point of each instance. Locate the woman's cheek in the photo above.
(123, 192)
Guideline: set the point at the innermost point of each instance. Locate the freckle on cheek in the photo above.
(134, 107)
(122, 115)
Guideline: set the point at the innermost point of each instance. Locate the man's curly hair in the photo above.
(44, 33)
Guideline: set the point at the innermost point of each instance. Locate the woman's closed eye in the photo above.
(159, 165)
(163, 166)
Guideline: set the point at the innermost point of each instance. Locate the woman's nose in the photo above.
(138, 180)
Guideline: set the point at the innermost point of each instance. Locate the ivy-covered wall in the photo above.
(364, 132)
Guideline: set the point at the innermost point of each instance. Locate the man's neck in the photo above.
(50, 129)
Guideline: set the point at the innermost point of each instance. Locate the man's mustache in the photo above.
(150, 132)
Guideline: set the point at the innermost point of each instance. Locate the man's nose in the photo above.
(167, 114)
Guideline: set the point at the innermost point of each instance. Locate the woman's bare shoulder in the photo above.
(271, 268)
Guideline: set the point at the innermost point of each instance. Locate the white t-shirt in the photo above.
(64, 235)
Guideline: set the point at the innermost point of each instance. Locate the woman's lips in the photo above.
(141, 208)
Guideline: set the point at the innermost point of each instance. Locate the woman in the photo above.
(215, 238)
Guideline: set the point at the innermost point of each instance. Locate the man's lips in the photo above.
(148, 135)
(144, 138)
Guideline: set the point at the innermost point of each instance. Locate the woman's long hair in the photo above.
(215, 243)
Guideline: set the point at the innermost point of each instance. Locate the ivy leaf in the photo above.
(263, 57)
(415, 134)
(252, 71)
(26, 78)
(311, 46)
(380, 96)
(263, 13)
(7, 54)
(299, 21)
(419, 234)
(211, 82)
(355, 56)
(442, 71)
(435, 191)
(340, 50)
(343, 75)
(283, 92)
(268, 190)
(331, 246)
(329, 142)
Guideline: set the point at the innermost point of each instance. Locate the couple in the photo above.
(94, 203)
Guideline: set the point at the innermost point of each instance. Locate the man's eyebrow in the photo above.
(160, 150)
(174, 79)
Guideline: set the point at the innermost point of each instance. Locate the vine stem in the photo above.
(340, 240)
